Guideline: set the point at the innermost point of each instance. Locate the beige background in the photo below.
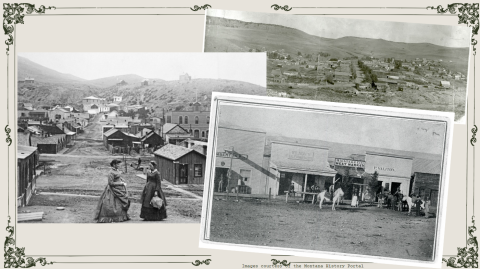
(182, 33)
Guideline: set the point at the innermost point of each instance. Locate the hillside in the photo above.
(111, 81)
(27, 68)
(162, 93)
(227, 35)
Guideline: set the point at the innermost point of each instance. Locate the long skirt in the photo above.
(111, 208)
(153, 214)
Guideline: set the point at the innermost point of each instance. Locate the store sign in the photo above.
(349, 163)
(229, 155)
(379, 168)
(301, 155)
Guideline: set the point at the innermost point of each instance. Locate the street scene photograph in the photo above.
(347, 182)
(393, 64)
(120, 137)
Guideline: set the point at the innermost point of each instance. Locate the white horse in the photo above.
(337, 196)
(409, 201)
(321, 197)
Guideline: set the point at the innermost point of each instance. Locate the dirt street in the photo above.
(365, 230)
(79, 175)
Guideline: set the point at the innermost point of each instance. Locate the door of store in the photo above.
(183, 173)
(285, 182)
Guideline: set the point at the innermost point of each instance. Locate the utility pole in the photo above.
(229, 173)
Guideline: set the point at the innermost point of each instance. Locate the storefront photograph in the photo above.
(364, 183)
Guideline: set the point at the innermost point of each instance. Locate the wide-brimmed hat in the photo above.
(115, 161)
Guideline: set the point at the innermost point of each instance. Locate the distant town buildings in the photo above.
(94, 105)
(195, 120)
(117, 99)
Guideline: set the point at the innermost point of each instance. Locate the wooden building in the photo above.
(51, 144)
(27, 161)
(173, 133)
(118, 138)
(180, 165)
(152, 140)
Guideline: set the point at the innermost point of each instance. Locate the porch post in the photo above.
(305, 186)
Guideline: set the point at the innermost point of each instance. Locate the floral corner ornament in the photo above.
(467, 257)
(14, 14)
(198, 262)
(195, 8)
(467, 13)
(15, 257)
(277, 7)
(284, 262)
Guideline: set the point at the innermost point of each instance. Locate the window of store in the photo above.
(245, 174)
(180, 120)
(169, 119)
(203, 134)
(198, 170)
(196, 119)
(186, 119)
(208, 119)
(196, 134)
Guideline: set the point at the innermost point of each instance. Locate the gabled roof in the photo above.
(173, 152)
(167, 127)
(145, 137)
(110, 132)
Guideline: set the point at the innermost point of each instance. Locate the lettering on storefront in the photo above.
(229, 155)
(349, 163)
(300, 155)
(387, 169)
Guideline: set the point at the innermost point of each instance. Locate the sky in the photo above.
(249, 67)
(372, 131)
(442, 35)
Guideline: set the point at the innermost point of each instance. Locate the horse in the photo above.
(321, 197)
(409, 202)
(337, 196)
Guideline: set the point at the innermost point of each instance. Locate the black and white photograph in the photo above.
(120, 137)
(327, 178)
(359, 61)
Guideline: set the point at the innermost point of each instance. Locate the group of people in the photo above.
(397, 201)
(114, 202)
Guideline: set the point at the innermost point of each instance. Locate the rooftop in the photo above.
(173, 152)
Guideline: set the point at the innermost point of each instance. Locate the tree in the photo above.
(289, 57)
(299, 53)
(329, 78)
(398, 64)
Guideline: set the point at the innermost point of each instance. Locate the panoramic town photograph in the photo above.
(358, 182)
(381, 63)
(120, 137)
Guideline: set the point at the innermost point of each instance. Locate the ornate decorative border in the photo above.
(198, 262)
(467, 14)
(284, 262)
(14, 14)
(277, 7)
(9, 139)
(14, 256)
(467, 257)
(206, 6)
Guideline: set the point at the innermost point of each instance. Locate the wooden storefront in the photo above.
(180, 165)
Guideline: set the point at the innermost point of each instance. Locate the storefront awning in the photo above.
(300, 170)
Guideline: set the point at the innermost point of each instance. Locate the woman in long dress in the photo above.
(114, 203)
(148, 211)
